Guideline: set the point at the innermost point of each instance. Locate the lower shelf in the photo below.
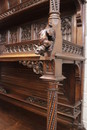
(16, 115)
(14, 118)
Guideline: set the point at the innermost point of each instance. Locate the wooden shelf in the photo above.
(73, 57)
(17, 57)
(24, 104)
(33, 75)
(23, 11)
(39, 8)
(21, 51)
(25, 51)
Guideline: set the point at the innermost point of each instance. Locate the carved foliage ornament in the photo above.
(36, 65)
(20, 7)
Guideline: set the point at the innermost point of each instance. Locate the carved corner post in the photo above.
(52, 106)
(54, 19)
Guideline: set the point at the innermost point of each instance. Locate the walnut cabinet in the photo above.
(48, 84)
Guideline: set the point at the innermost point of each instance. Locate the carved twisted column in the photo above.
(52, 106)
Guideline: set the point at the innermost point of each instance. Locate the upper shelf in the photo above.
(24, 11)
(32, 9)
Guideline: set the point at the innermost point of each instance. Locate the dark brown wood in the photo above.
(15, 118)
(22, 94)
(44, 85)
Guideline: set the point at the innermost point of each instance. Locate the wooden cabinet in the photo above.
(41, 59)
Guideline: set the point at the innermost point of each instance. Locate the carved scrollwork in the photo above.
(36, 65)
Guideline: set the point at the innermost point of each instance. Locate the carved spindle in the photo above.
(52, 107)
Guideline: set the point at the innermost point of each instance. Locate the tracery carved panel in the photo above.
(13, 35)
(38, 26)
(66, 28)
(3, 37)
(54, 4)
(26, 32)
(12, 3)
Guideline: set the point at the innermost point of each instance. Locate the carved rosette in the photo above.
(52, 107)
